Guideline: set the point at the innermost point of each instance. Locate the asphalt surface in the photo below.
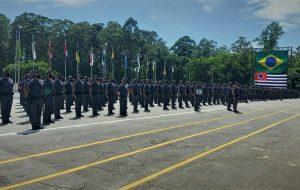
(176, 149)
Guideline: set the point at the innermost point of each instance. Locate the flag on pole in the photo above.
(112, 55)
(103, 56)
(33, 50)
(66, 49)
(91, 58)
(138, 62)
(165, 68)
(77, 57)
(18, 48)
(153, 66)
(125, 62)
(50, 50)
(172, 69)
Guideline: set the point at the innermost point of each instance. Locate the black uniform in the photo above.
(36, 95)
(58, 98)
(123, 94)
(110, 95)
(6, 96)
(48, 101)
(78, 91)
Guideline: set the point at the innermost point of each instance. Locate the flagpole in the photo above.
(19, 60)
(91, 72)
(147, 64)
(65, 50)
(33, 49)
(113, 63)
(77, 68)
(16, 59)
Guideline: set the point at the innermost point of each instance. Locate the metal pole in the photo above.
(77, 68)
(252, 66)
(66, 69)
(16, 60)
(147, 64)
(32, 51)
(19, 60)
(91, 72)
(104, 67)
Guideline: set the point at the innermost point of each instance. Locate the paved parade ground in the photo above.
(177, 149)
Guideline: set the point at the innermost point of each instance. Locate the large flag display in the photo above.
(271, 68)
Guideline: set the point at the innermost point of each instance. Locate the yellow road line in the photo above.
(189, 160)
(112, 140)
(68, 171)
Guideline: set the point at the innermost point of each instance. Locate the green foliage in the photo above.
(184, 46)
(26, 67)
(4, 40)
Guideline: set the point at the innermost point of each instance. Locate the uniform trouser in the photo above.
(165, 101)
(49, 108)
(135, 102)
(173, 101)
(36, 112)
(147, 101)
(6, 104)
(78, 104)
(123, 106)
(191, 98)
(151, 100)
(101, 101)
(180, 101)
(69, 100)
(58, 101)
(110, 104)
(196, 103)
(62, 106)
(160, 99)
(28, 106)
(185, 99)
(229, 102)
(86, 101)
(95, 103)
(235, 103)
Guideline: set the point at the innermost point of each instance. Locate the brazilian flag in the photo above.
(272, 62)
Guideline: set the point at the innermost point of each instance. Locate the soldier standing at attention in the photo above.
(236, 96)
(6, 96)
(36, 95)
(58, 97)
(49, 99)
(181, 94)
(229, 92)
(166, 94)
(147, 95)
(123, 93)
(197, 94)
(136, 93)
(186, 97)
(86, 94)
(173, 94)
(78, 96)
(95, 93)
(69, 94)
(110, 92)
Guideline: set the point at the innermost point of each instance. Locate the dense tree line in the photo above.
(190, 60)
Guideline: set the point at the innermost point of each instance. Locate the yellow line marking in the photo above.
(68, 171)
(113, 139)
(189, 160)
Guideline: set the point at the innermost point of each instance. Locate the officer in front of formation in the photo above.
(36, 96)
(6, 96)
(123, 94)
(147, 95)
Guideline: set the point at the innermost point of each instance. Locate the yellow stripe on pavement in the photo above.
(76, 169)
(187, 161)
(113, 139)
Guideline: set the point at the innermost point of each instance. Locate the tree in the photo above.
(270, 36)
(184, 46)
(242, 45)
(4, 40)
(206, 48)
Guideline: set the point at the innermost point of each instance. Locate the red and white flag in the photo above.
(91, 59)
(66, 49)
(264, 79)
(50, 50)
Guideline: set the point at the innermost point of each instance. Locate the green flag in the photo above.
(272, 62)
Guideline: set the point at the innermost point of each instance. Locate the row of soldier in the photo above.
(51, 95)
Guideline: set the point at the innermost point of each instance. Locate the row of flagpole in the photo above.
(91, 60)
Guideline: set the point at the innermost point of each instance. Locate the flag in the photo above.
(77, 57)
(138, 62)
(66, 49)
(165, 69)
(153, 66)
(33, 50)
(264, 79)
(172, 69)
(50, 50)
(112, 55)
(18, 50)
(103, 56)
(91, 58)
(125, 62)
(272, 62)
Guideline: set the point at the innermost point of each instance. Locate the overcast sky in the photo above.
(221, 20)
